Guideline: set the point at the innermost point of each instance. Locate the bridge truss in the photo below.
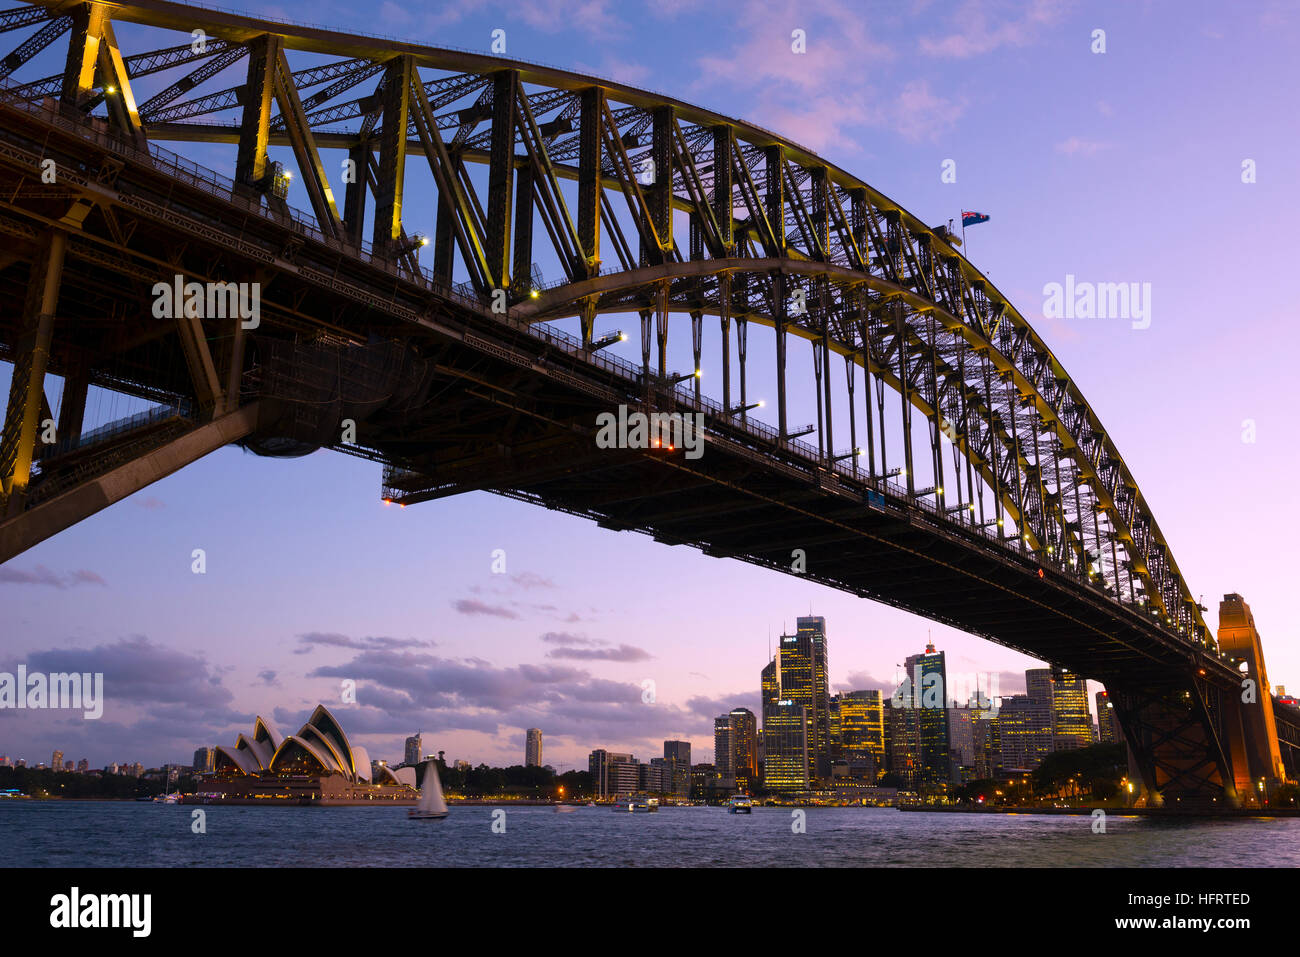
(969, 447)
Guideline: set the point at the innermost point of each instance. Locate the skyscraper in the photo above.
(928, 675)
(205, 760)
(1071, 722)
(724, 752)
(903, 737)
(862, 733)
(785, 731)
(679, 751)
(798, 674)
(811, 632)
(414, 748)
(744, 745)
(677, 768)
(533, 748)
(1108, 730)
(56, 762)
(1023, 731)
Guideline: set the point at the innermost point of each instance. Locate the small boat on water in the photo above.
(740, 804)
(431, 806)
(565, 808)
(637, 804)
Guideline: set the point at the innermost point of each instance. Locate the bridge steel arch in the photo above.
(1034, 505)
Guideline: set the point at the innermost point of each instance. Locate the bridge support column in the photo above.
(1175, 736)
(31, 357)
(392, 157)
(779, 321)
(251, 162)
(1261, 750)
(72, 406)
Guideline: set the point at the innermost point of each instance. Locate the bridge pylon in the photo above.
(1256, 753)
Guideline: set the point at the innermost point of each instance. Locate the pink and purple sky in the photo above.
(1123, 166)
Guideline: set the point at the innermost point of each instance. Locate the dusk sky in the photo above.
(1122, 166)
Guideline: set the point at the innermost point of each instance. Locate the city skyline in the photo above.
(420, 744)
(565, 639)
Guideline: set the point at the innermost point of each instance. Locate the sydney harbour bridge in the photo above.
(954, 469)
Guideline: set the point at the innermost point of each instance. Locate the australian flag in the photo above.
(970, 219)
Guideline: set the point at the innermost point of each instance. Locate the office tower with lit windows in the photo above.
(83, 766)
(56, 762)
(928, 677)
(1108, 730)
(961, 735)
(1038, 685)
(786, 735)
(1023, 732)
(903, 732)
(862, 733)
(414, 744)
(744, 749)
(723, 749)
(677, 768)
(609, 770)
(533, 748)
(1071, 720)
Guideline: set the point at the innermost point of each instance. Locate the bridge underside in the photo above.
(452, 398)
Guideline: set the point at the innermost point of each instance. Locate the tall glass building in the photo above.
(799, 674)
(1108, 730)
(744, 743)
(928, 674)
(862, 732)
(1071, 720)
(785, 729)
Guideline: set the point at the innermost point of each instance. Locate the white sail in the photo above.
(431, 800)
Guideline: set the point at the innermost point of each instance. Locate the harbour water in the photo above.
(99, 834)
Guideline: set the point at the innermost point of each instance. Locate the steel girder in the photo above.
(770, 222)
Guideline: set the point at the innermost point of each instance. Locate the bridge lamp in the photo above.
(608, 339)
(110, 89)
(533, 294)
(678, 379)
(742, 409)
(856, 453)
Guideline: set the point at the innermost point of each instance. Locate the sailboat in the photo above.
(431, 805)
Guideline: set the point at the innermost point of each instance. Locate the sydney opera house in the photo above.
(318, 765)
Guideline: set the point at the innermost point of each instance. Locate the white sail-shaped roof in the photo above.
(362, 759)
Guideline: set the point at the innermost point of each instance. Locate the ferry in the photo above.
(740, 804)
(637, 804)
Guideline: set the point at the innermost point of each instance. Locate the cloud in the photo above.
(863, 681)
(709, 708)
(531, 580)
(566, 638)
(267, 677)
(983, 28)
(138, 672)
(621, 653)
(812, 97)
(40, 575)
(919, 114)
(591, 649)
(150, 503)
(468, 606)
(400, 690)
(333, 639)
(1076, 145)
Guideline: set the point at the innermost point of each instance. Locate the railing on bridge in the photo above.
(225, 189)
